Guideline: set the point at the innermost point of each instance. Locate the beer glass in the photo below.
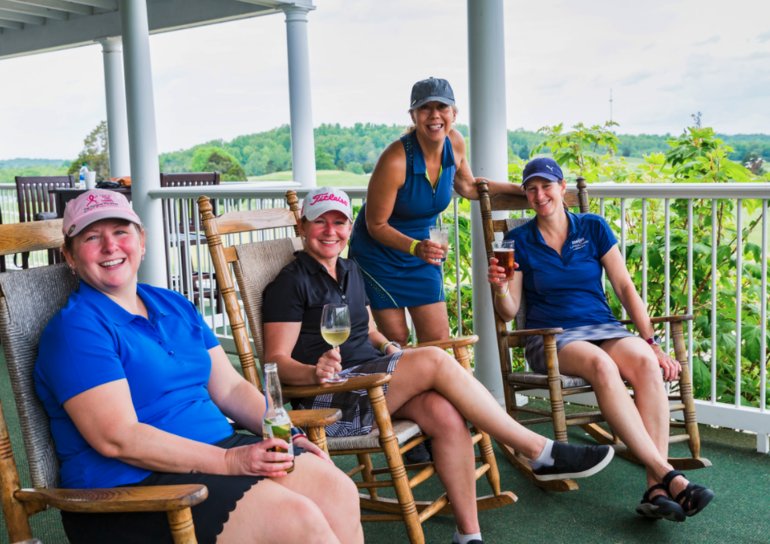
(335, 329)
(504, 253)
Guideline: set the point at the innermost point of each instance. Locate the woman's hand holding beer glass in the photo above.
(502, 265)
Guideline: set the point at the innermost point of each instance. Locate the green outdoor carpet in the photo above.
(601, 511)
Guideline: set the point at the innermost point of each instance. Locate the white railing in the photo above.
(648, 213)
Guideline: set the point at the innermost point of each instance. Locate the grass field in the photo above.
(334, 178)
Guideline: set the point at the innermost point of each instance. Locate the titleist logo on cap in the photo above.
(328, 196)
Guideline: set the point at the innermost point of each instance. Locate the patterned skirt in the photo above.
(589, 333)
(357, 415)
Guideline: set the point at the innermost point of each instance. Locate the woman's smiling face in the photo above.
(327, 235)
(107, 254)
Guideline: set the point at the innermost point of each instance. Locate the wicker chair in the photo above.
(252, 265)
(557, 386)
(28, 299)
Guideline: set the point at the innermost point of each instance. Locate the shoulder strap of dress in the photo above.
(408, 142)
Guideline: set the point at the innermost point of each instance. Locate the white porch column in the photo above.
(489, 159)
(115, 93)
(300, 105)
(143, 145)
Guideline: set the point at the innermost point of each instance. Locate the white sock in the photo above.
(545, 459)
(460, 538)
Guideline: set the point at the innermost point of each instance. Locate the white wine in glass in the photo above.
(335, 329)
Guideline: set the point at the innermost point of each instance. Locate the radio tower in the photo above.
(610, 105)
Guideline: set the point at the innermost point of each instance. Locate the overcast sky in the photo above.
(662, 60)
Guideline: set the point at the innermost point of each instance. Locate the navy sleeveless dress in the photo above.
(395, 279)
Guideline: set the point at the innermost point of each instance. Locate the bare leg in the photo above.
(392, 323)
(431, 322)
(314, 503)
(425, 369)
(639, 366)
(452, 453)
(628, 420)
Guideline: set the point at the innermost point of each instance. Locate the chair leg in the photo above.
(686, 393)
(389, 444)
(182, 528)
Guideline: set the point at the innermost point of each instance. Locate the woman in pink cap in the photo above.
(138, 391)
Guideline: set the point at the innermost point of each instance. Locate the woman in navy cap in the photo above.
(561, 257)
(410, 186)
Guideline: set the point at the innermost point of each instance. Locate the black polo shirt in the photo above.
(298, 294)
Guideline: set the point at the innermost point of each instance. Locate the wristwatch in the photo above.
(384, 346)
(653, 340)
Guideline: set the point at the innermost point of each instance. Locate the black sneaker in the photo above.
(574, 462)
(418, 454)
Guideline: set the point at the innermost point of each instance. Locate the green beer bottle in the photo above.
(276, 422)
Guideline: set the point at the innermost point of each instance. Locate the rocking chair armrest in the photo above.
(158, 498)
(664, 319)
(356, 382)
(454, 343)
(314, 418)
(534, 332)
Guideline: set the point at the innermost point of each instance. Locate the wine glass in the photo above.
(335, 329)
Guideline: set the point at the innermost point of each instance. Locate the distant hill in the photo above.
(355, 150)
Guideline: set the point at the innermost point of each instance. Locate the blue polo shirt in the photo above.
(165, 359)
(298, 294)
(565, 290)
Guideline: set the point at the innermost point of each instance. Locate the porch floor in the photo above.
(601, 511)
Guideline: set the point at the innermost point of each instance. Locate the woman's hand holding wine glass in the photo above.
(335, 329)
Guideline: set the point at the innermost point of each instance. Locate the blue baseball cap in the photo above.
(542, 167)
(431, 90)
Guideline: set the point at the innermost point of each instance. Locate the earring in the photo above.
(73, 271)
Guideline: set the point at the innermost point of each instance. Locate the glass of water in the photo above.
(440, 234)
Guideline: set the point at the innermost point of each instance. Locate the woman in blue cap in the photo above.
(561, 257)
(410, 186)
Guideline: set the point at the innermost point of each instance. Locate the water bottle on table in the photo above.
(83, 176)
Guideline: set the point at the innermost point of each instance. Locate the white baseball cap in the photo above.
(325, 199)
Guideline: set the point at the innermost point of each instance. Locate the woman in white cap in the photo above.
(561, 258)
(427, 385)
(410, 187)
(138, 391)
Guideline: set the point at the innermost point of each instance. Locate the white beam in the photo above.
(489, 159)
(300, 104)
(21, 17)
(24, 7)
(143, 144)
(61, 5)
(115, 95)
(109, 5)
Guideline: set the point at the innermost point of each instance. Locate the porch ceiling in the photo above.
(35, 26)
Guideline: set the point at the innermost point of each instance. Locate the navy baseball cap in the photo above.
(542, 167)
(431, 90)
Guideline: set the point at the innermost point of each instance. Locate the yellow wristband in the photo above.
(501, 295)
(413, 246)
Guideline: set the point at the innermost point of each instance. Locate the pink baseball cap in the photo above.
(325, 199)
(93, 206)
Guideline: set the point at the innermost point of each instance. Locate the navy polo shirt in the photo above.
(565, 290)
(164, 359)
(299, 293)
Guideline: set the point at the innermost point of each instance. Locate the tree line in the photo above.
(352, 149)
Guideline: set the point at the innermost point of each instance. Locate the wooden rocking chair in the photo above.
(252, 265)
(557, 386)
